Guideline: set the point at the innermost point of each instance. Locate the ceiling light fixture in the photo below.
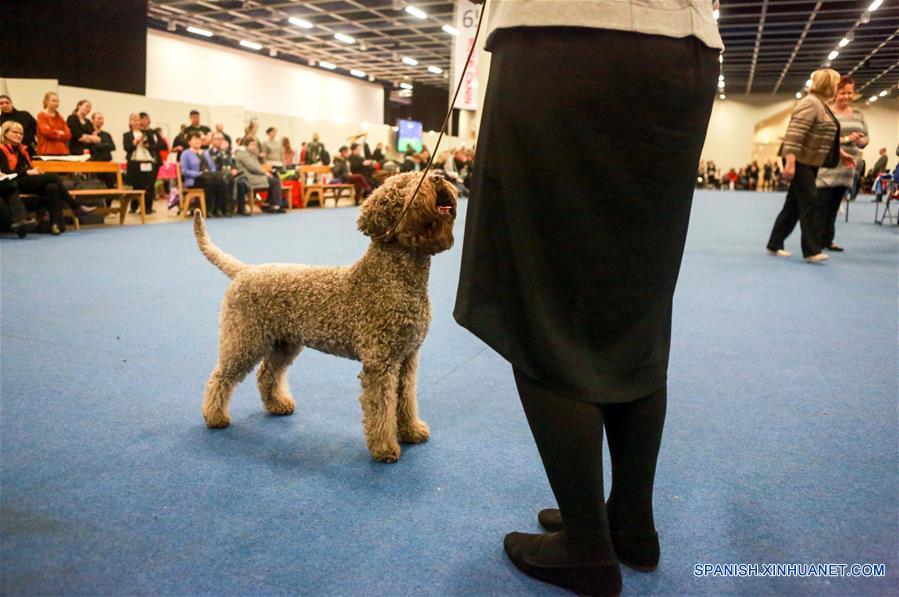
(883, 93)
(250, 44)
(450, 30)
(721, 58)
(808, 83)
(357, 73)
(344, 38)
(722, 96)
(198, 31)
(300, 23)
(875, 5)
(410, 61)
(327, 65)
(833, 55)
(434, 69)
(798, 95)
(844, 42)
(416, 12)
(873, 99)
(406, 85)
(720, 84)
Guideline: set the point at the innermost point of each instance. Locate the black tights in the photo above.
(569, 435)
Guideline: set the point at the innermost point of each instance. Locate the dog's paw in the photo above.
(385, 452)
(280, 407)
(217, 421)
(415, 433)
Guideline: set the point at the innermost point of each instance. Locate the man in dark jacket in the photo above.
(29, 124)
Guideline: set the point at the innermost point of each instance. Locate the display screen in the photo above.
(408, 135)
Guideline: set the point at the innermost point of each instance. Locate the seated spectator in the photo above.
(340, 171)
(101, 151)
(287, 152)
(271, 148)
(13, 215)
(29, 124)
(52, 132)
(247, 161)
(238, 186)
(53, 196)
(82, 129)
(198, 171)
(411, 161)
(314, 150)
(220, 128)
(141, 162)
(359, 165)
(378, 154)
(201, 129)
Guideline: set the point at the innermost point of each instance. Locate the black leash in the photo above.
(449, 113)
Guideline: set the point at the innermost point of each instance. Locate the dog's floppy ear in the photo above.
(381, 210)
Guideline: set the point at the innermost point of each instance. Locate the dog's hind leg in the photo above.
(410, 429)
(379, 385)
(235, 361)
(271, 377)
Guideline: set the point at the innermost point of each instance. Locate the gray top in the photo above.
(272, 151)
(671, 18)
(842, 176)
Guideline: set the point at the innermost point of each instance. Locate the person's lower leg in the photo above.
(634, 433)
(568, 434)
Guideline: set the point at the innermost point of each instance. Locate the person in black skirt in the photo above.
(571, 255)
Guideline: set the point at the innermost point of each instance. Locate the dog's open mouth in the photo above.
(445, 203)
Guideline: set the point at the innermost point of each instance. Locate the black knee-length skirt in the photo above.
(583, 181)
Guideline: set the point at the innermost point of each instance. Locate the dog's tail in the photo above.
(229, 265)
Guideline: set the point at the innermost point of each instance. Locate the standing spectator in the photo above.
(29, 124)
(378, 154)
(238, 187)
(753, 175)
(340, 170)
(101, 151)
(767, 172)
(810, 142)
(198, 170)
(157, 144)
(220, 128)
(834, 183)
(288, 153)
(52, 132)
(201, 129)
(314, 150)
(54, 197)
(252, 132)
(82, 129)
(857, 178)
(271, 148)
(141, 162)
(247, 161)
(179, 143)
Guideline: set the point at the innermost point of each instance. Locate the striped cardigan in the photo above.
(811, 131)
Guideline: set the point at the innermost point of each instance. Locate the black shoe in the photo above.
(532, 554)
(23, 227)
(835, 248)
(639, 551)
(86, 209)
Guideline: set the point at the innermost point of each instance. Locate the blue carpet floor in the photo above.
(780, 444)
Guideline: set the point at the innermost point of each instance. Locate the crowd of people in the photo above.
(230, 173)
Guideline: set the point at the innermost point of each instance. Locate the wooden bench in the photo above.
(119, 192)
(320, 188)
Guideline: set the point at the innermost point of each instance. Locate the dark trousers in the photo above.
(141, 180)
(274, 192)
(215, 188)
(829, 198)
(361, 186)
(52, 196)
(569, 435)
(12, 209)
(801, 205)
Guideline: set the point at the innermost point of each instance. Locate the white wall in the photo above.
(181, 69)
(729, 142)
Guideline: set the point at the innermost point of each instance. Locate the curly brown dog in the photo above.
(376, 311)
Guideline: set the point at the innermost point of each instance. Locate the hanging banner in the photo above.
(465, 21)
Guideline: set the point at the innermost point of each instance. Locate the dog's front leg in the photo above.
(379, 385)
(410, 428)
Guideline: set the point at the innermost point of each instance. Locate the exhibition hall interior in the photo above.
(516, 239)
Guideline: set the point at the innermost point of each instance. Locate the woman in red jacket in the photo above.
(53, 196)
(52, 131)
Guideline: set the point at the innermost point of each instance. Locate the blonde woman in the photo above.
(812, 141)
(52, 131)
